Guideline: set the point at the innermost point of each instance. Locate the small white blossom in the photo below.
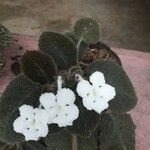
(95, 94)
(61, 107)
(32, 123)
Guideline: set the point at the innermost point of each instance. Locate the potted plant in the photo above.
(71, 94)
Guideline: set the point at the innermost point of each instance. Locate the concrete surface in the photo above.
(124, 23)
(137, 66)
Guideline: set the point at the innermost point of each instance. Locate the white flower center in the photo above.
(33, 123)
(94, 92)
(59, 108)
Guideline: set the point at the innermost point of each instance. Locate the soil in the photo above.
(102, 52)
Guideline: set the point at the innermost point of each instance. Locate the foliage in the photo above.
(38, 67)
(125, 98)
(60, 48)
(116, 132)
(87, 29)
(63, 141)
(6, 38)
(61, 55)
(2, 62)
(83, 48)
(20, 91)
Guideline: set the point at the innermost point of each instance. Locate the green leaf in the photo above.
(60, 48)
(38, 67)
(83, 48)
(125, 98)
(15, 68)
(31, 145)
(63, 141)
(117, 132)
(3, 145)
(2, 62)
(86, 144)
(88, 29)
(6, 37)
(19, 92)
(59, 141)
(87, 121)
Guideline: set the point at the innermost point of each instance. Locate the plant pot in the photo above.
(100, 51)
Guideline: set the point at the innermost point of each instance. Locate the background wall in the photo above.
(124, 23)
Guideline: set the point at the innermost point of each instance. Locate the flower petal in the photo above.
(19, 125)
(26, 111)
(41, 129)
(30, 135)
(65, 96)
(48, 100)
(89, 102)
(41, 115)
(83, 88)
(100, 106)
(107, 92)
(97, 78)
(67, 116)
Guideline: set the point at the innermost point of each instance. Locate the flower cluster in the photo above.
(60, 109)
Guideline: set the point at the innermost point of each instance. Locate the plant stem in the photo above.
(74, 142)
(40, 106)
(78, 46)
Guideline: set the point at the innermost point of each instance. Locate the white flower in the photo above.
(95, 94)
(61, 107)
(32, 123)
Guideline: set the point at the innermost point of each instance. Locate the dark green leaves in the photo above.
(86, 144)
(60, 48)
(15, 68)
(125, 98)
(59, 141)
(38, 67)
(87, 121)
(117, 132)
(19, 92)
(31, 145)
(87, 29)
(6, 37)
(2, 62)
(3, 146)
(83, 48)
(63, 141)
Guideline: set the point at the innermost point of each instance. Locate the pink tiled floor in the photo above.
(137, 66)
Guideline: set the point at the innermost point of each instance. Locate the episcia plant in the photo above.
(69, 95)
(6, 39)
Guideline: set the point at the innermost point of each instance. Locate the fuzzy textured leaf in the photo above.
(83, 48)
(125, 98)
(86, 144)
(63, 141)
(88, 29)
(19, 92)
(2, 145)
(59, 141)
(117, 132)
(2, 62)
(15, 68)
(31, 145)
(38, 67)
(60, 48)
(87, 121)
(6, 37)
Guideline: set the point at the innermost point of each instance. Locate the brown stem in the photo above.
(74, 142)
